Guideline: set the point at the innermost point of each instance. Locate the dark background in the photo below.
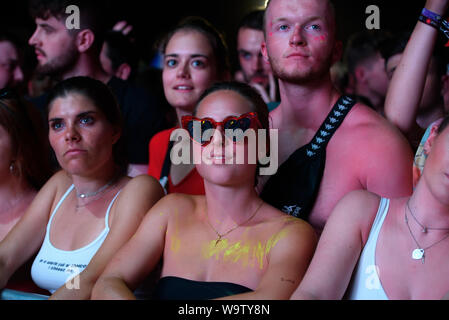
(151, 18)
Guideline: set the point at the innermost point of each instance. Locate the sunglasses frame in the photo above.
(255, 123)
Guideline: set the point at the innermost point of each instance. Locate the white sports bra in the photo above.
(53, 267)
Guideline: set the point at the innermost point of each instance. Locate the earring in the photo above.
(12, 168)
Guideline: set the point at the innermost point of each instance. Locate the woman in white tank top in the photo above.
(374, 248)
(89, 209)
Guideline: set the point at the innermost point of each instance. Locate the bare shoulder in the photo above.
(358, 201)
(293, 227)
(355, 211)
(369, 124)
(57, 184)
(143, 183)
(61, 178)
(177, 203)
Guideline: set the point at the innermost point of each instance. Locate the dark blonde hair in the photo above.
(30, 148)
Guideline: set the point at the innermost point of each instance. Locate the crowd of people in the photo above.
(97, 205)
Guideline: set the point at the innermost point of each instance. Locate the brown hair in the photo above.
(103, 98)
(30, 146)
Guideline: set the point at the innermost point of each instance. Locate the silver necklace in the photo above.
(419, 253)
(221, 235)
(92, 194)
(424, 229)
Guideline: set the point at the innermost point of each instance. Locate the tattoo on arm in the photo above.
(287, 280)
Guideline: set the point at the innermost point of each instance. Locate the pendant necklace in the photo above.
(221, 235)
(92, 194)
(419, 253)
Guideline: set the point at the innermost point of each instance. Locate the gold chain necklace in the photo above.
(221, 235)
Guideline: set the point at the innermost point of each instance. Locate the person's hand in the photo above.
(123, 27)
(270, 94)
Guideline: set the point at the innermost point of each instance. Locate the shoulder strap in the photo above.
(166, 166)
(332, 122)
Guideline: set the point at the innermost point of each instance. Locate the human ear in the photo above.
(263, 48)
(123, 72)
(84, 40)
(432, 135)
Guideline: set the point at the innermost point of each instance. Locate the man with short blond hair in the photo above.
(328, 145)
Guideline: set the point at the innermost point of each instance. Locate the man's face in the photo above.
(10, 72)
(299, 39)
(55, 48)
(255, 70)
(377, 77)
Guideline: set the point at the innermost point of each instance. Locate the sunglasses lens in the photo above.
(237, 128)
(200, 130)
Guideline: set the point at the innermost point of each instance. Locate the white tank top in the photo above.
(53, 267)
(365, 283)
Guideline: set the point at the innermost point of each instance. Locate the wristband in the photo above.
(430, 18)
(434, 20)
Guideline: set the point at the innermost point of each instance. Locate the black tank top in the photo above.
(294, 187)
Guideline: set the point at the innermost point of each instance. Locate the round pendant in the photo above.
(418, 254)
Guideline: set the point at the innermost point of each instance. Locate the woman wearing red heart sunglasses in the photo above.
(195, 56)
(227, 243)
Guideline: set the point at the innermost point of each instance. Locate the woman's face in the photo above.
(189, 68)
(80, 135)
(5, 151)
(224, 161)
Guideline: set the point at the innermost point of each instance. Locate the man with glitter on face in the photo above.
(318, 163)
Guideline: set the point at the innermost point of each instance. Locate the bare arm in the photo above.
(384, 160)
(288, 263)
(339, 247)
(407, 85)
(144, 249)
(28, 234)
(138, 196)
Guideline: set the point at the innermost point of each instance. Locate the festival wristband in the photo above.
(430, 18)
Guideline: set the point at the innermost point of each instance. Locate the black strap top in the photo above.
(175, 288)
(294, 187)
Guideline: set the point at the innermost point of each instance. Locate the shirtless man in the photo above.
(366, 152)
